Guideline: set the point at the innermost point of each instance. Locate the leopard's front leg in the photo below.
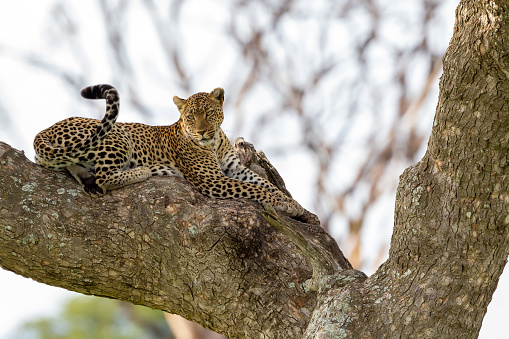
(231, 166)
(224, 187)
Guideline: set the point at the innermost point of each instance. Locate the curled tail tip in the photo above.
(96, 91)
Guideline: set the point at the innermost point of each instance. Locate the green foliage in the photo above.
(98, 318)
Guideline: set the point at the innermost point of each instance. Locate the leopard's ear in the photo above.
(181, 103)
(217, 94)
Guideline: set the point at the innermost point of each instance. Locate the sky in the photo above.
(24, 31)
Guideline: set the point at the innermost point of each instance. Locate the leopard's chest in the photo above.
(191, 156)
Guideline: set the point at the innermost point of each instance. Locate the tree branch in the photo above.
(160, 244)
(317, 246)
(330, 268)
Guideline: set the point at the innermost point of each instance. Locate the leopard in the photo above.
(104, 155)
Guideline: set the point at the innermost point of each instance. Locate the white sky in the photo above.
(36, 100)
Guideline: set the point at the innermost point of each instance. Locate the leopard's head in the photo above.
(201, 115)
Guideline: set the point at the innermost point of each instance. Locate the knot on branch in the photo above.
(257, 162)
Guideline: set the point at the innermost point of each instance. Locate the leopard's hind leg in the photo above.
(85, 175)
(109, 178)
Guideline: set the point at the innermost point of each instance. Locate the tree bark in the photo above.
(160, 244)
(218, 262)
(449, 244)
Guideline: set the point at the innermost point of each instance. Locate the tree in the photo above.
(87, 317)
(219, 263)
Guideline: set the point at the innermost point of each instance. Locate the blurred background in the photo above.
(339, 94)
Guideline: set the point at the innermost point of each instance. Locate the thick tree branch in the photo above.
(159, 243)
(451, 229)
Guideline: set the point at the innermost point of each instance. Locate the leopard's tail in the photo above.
(109, 93)
(58, 157)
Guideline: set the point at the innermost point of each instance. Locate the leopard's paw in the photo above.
(92, 189)
(290, 206)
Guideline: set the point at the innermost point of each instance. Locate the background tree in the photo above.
(87, 317)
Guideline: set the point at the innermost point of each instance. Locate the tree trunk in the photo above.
(449, 244)
(218, 262)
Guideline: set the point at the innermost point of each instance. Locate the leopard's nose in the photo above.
(201, 131)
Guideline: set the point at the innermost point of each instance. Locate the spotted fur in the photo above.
(105, 155)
